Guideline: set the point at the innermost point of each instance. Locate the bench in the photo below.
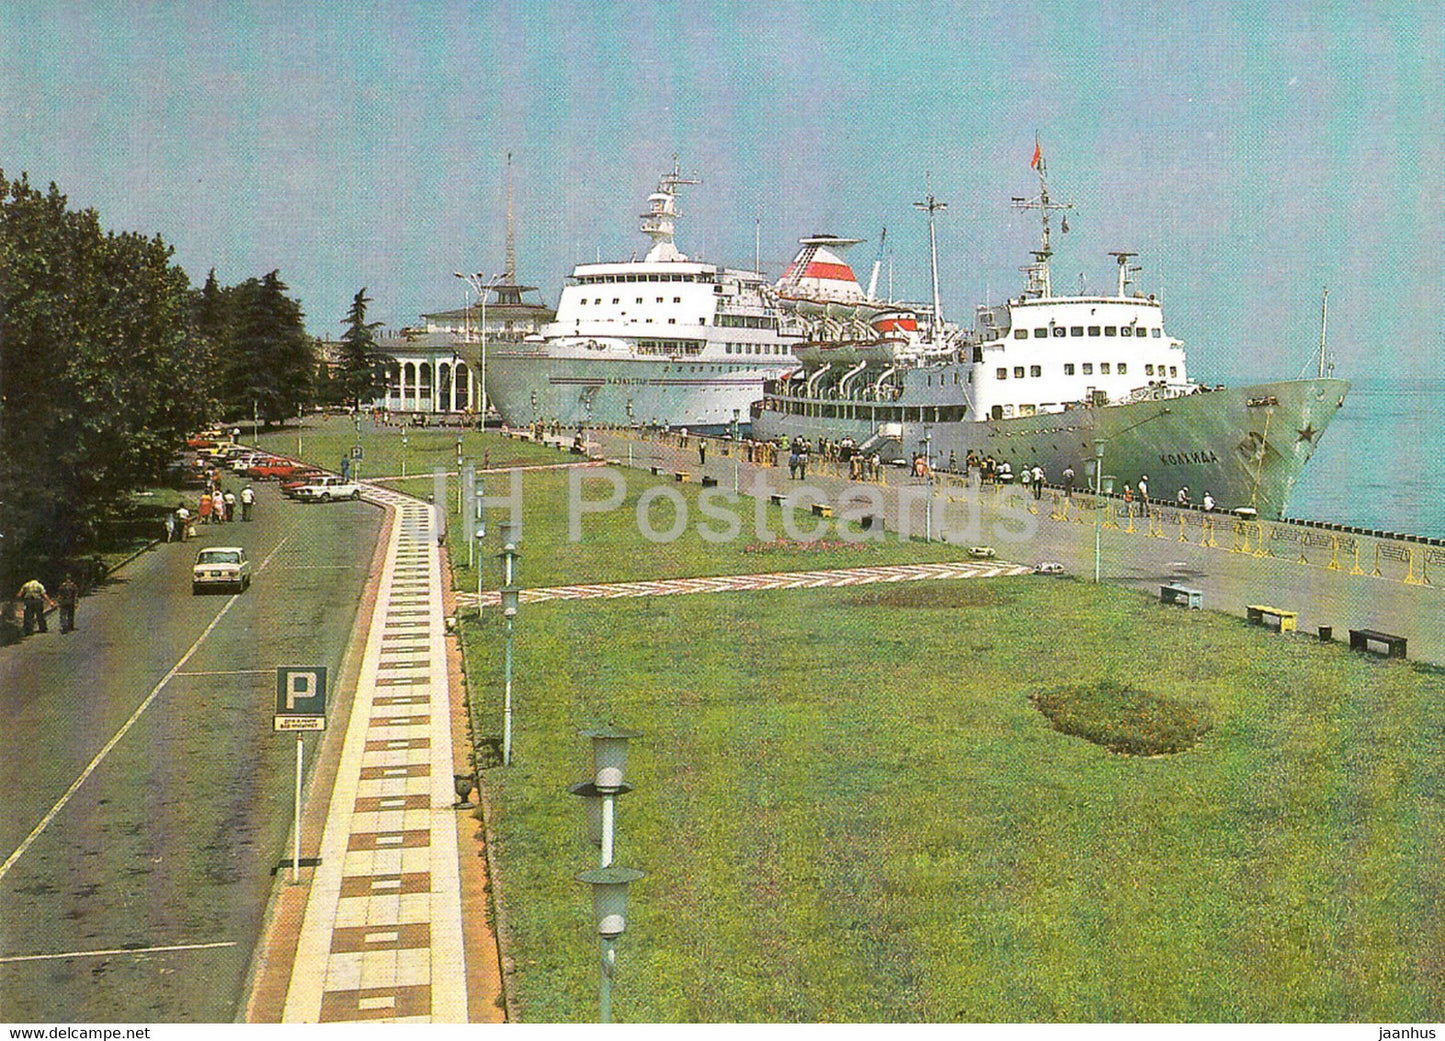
(1175, 593)
(680, 476)
(776, 498)
(822, 509)
(656, 471)
(709, 482)
(1287, 619)
(1360, 640)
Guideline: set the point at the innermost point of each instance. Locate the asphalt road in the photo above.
(170, 840)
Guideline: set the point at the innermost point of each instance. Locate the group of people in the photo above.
(35, 599)
(216, 507)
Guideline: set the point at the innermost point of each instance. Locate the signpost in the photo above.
(300, 708)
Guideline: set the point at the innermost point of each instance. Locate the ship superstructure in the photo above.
(1054, 381)
(667, 339)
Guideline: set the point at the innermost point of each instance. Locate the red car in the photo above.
(303, 477)
(275, 470)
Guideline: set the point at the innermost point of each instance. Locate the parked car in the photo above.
(328, 489)
(223, 566)
(274, 469)
(303, 477)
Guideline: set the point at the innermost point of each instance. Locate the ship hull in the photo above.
(1245, 446)
(529, 386)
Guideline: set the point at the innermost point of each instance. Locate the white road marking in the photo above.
(125, 728)
(116, 950)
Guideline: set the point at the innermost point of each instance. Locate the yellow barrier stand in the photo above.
(1209, 532)
(1357, 570)
(1259, 550)
(1410, 579)
(1334, 564)
(1182, 537)
(1109, 521)
(1054, 514)
(1375, 573)
(1129, 512)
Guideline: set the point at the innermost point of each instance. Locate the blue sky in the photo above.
(1253, 152)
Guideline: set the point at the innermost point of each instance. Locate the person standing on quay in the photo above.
(701, 451)
(68, 595)
(248, 499)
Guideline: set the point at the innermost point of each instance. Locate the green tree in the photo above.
(100, 370)
(360, 359)
(267, 361)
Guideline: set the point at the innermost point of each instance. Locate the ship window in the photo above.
(639, 299)
(1018, 372)
(1036, 370)
(1103, 368)
(1148, 370)
(1093, 330)
(615, 300)
(1154, 332)
(1127, 330)
(1058, 330)
(1002, 373)
(1076, 330)
(1174, 370)
(1068, 368)
(677, 299)
(1039, 334)
(672, 321)
(1123, 369)
(728, 348)
(1111, 330)
(1088, 368)
(1021, 334)
(659, 300)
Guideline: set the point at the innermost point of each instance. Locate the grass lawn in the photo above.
(849, 809)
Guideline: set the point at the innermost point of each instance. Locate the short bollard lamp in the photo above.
(609, 904)
(609, 760)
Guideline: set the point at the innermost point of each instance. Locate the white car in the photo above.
(327, 489)
(224, 566)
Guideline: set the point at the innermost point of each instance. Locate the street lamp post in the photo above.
(403, 451)
(736, 448)
(482, 289)
(928, 476)
(1098, 499)
(511, 600)
(609, 903)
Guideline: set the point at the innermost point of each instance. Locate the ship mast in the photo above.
(1324, 316)
(930, 205)
(659, 222)
(1039, 279)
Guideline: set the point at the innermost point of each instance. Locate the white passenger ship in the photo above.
(1055, 381)
(662, 340)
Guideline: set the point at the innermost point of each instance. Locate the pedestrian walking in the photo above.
(1068, 482)
(67, 596)
(230, 500)
(1144, 489)
(170, 526)
(34, 598)
(248, 500)
(701, 452)
(206, 507)
(1038, 476)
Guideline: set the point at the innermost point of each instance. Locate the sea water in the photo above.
(1381, 461)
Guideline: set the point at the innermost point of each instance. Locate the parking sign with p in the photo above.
(300, 698)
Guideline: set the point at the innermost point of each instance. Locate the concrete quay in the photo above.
(1339, 580)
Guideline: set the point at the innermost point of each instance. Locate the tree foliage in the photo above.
(360, 360)
(264, 360)
(101, 369)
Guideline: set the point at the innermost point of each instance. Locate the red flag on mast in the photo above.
(1038, 155)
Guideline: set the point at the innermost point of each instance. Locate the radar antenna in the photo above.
(1126, 270)
(660, 220)
(1039, 281)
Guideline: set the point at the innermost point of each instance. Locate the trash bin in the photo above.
(1327, 633)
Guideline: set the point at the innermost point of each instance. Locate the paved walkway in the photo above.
(854, 576)
(382, 933)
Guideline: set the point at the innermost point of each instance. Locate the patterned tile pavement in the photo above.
(853, 576)
(382, 934)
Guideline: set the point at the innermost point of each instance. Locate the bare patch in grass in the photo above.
(1124, 720)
